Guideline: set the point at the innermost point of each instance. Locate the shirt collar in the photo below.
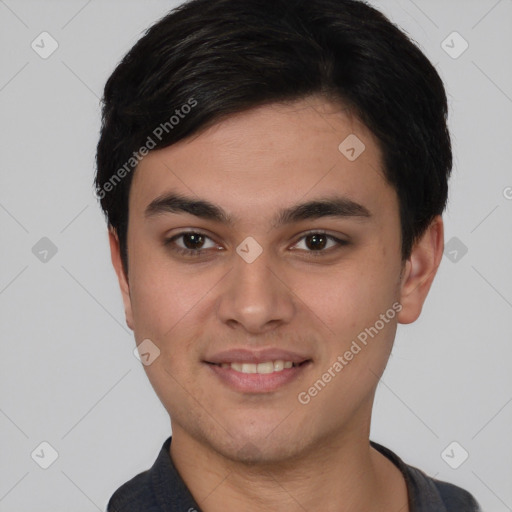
(172, 495)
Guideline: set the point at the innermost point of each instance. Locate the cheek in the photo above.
(352, 295)
(167, 304)
(163, 292)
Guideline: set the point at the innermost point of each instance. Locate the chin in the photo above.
(259, 445)
(263, 453)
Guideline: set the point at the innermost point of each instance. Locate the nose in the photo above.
(255, 297)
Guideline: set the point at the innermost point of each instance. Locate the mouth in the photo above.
(255, 373)
(263, 368)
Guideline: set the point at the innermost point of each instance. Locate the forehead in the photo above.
(262, 159)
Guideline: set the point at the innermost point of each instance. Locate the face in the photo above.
(265, 266)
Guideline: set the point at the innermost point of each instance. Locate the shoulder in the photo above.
(426, 494)
(442, 496)
(455, 498)
(134, 495)
(141, 491)
(154, 490)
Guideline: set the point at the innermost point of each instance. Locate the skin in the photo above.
(267, 451)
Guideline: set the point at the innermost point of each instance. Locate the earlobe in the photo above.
(115, 254)
(420, 270)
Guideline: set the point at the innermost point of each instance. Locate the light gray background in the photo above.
(68, 374)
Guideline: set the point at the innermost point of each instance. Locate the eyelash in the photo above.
(199, 252)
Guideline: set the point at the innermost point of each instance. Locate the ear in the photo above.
(115, 254)
(420, 270)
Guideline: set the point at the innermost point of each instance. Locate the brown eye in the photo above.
(316, 241)
(193, 240)
(319, 243)
(190, 243)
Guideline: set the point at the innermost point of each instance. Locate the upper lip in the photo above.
(242, 355)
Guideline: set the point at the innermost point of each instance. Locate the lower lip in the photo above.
(257, 382)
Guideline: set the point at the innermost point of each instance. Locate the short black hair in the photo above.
(207, 59)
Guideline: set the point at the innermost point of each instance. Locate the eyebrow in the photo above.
(332, 206)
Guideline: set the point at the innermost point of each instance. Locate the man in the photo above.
(273, 175)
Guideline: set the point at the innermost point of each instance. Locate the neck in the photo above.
(338, 474)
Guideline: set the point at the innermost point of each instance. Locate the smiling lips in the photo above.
(266, 367)
(257, 372)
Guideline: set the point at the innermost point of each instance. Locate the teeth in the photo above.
(237, 366)
(266, 367)
(249, 368)
(278, 365)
